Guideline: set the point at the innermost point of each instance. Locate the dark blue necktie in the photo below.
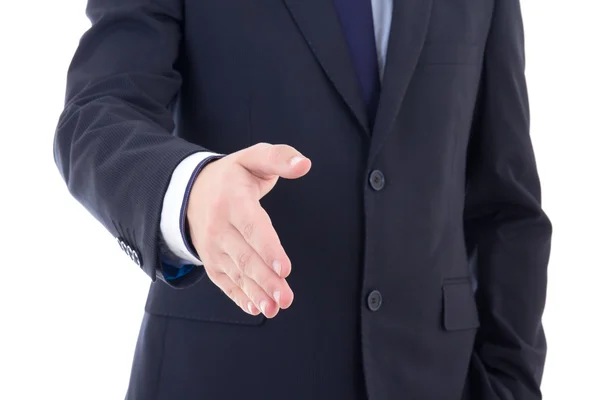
(356, 18)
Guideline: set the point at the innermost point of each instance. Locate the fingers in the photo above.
(259, 282)
(254, 224)
(233, 291)
(266, 161)
(243, 290)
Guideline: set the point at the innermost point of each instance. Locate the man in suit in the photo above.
(408, 204)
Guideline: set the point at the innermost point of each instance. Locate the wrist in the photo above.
(190, 203)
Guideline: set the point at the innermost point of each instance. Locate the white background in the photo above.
(71, 302)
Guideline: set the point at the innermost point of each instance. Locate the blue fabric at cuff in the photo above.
(171, 272)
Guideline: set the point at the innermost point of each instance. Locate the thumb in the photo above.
(265, 161)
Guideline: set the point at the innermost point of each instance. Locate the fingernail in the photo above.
(277, 296)
(251, 307)
(277, 267)
(295, 160)
(263, 306)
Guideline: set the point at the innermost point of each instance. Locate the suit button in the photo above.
(374, 300)
(377, 180)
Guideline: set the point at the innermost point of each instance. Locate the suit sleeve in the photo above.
(114, 145)
(507, 232)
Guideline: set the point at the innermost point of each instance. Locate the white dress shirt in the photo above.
(170, 226)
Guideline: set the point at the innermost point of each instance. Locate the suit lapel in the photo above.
(319, 24)
(410, 20)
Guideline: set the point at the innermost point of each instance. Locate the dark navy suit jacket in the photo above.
(385, 233)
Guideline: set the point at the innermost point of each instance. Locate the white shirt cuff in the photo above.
(171, 211)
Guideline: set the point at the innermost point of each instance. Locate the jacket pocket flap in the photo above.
(203, 301)
(460, 308)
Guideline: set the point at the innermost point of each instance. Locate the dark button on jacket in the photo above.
(374, 300)
(377, 180)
